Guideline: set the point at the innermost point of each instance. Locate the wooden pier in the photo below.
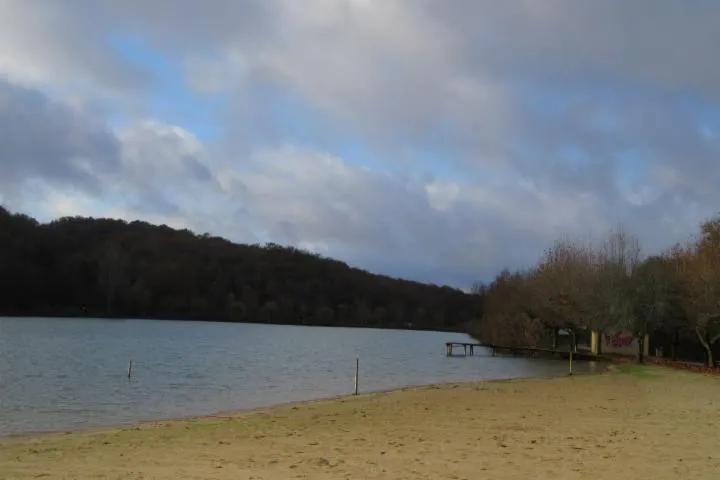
(468, 349)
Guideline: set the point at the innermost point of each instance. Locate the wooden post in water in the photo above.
(357, 372)
(130, 369)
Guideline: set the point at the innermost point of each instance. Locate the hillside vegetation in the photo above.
(100, 267)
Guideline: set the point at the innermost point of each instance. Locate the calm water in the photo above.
(61, 374)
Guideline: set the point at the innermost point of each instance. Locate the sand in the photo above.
(641, 424)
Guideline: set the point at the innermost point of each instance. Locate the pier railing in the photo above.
(469, 349)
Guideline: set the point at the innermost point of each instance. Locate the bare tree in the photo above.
(654, 297)
(616, 262)
(698, 268)
(505, 320)
(561, 287)
(479, 288)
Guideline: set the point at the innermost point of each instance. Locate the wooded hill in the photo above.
(77, 266)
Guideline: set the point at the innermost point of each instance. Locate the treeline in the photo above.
(581, 286)
(100, 267)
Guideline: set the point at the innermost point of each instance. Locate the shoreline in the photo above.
(644, 422)
(230, 322)
(269, 409)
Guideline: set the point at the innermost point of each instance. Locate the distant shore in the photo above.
(645, 422)
(95, 316)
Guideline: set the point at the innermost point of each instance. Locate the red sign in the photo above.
(618, 340)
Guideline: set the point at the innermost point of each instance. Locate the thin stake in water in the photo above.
(357, 371)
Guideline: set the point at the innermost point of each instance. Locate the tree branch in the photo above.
(701, 337)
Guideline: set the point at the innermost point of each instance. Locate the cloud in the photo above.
(401, 224)
(41, 138)
(159, 161)
(56, 45)
(646, 43)
(72, 156)
(437, 140)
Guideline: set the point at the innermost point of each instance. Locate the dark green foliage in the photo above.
(99, 267)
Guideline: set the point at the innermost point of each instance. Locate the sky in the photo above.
(434, 140)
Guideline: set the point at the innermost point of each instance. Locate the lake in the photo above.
(67, 374)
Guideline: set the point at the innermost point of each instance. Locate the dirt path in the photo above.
(658, 424)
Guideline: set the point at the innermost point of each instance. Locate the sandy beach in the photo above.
(651, 423)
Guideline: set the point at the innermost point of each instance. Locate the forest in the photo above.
(77, 266)
(609, 285)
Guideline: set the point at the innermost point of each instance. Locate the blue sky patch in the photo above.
(170, 99)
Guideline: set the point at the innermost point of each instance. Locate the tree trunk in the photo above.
(711, 342)
(709, 358)
(675, 344)
(705, 342)
(640, 357)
